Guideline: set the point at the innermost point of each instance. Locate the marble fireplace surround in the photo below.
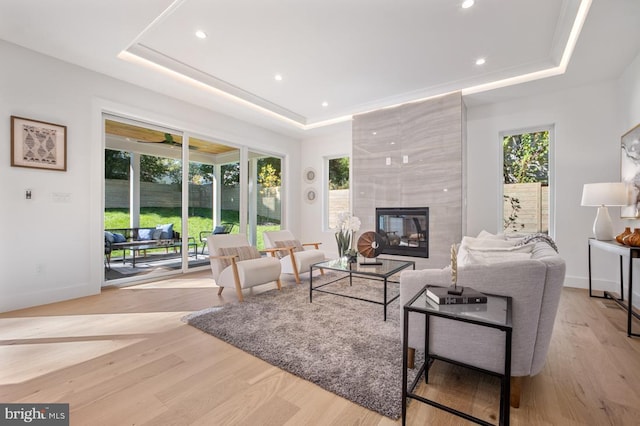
(413, 156)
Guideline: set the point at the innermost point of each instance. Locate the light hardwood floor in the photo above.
(124, 358)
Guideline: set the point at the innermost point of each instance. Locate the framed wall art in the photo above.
(38, 144)
(630, 171)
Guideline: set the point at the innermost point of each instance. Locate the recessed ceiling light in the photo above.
(374, 133)
(201, 34)
(278, 77)
(480, 61)
(466, 4)
(393, 143)
(325, 104)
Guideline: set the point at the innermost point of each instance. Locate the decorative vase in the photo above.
(633, 239)
(620, 238)
(343, 240)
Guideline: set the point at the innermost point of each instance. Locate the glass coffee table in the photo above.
(382, 270)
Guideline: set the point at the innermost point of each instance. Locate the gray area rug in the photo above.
(340, 344)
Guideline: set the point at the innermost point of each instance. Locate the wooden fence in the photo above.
(534, 207)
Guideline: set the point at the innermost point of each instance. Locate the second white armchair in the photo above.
(295, 257)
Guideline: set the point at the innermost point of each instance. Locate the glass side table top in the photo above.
(497, 310)
(386, 267)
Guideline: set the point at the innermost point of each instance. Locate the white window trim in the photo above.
(552, 184)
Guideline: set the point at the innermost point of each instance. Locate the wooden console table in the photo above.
(623, 251)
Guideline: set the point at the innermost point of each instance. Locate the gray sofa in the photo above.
(534, 284)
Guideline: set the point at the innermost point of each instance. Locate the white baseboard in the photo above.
(602, 285)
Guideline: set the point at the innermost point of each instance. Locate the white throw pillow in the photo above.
(482, 243)
(488, 257)
(488, 250)
(488, 235)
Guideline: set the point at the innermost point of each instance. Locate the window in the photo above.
(144, 188)
(338, 198)
(525, 170)
(264, 209)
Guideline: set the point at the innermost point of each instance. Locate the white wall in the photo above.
(586, 148)
(334, 141)
(51, 251)
(629, 96)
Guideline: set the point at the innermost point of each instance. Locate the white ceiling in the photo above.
(357, 55)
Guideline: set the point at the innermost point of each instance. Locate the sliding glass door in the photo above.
(264, 204)
(159, 209)
(143, 199)
(213, 192)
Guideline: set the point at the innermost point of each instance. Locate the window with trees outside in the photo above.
(338, 198)
(525, 171)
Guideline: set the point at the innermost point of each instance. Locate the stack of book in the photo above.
(441, 296)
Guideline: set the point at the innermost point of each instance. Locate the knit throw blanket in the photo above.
(538, 237)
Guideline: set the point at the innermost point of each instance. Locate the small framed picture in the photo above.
(37, 144)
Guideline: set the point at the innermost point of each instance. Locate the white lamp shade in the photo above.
(605, 194)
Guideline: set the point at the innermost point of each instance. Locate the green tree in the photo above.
(268, 177)
(159, 169)
(526, 158)
(116, 164)
(230, 174)
(269, 172)
(200, 173)
(339, 173)
(168, 170)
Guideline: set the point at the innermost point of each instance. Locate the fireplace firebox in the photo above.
(405, 229)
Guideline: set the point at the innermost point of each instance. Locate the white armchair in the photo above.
(295, 258)
(235, 263)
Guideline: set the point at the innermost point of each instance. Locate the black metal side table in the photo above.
(623, 251)
(497, 316)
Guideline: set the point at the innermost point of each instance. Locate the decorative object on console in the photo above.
(630, 171)
(620, 238)
(602, 195)
(345, 228)
(370, 245)
(38, 144)
(633, 239)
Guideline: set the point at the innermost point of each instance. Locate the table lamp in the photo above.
(602, 195)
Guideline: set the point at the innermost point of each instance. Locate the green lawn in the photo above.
(199, 220)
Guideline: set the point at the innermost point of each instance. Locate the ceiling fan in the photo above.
(168, 140)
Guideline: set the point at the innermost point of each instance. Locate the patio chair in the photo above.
(223, 228)
(107, 253)
(235, 263)
(295, 258)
